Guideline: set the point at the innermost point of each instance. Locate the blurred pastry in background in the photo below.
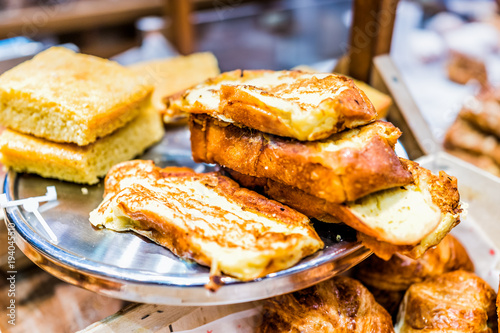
(498, 309)
(463, 135)
(389, 280)
(381, 102)
(471, 45)
(463, 68)
(483, 162)
(340, 304)
(456, 301)
(173, 75)
(483, 111)
(475, 134)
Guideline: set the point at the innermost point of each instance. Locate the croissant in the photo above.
(456, 301)
(340, 304)
(498, 308)
(388, 280)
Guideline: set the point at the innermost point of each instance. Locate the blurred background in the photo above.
(272, 34)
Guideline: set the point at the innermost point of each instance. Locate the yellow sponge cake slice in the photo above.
(70, 162)
(173, 75)
(63, 96)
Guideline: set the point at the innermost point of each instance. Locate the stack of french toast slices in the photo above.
(312, 142)
(297, 146)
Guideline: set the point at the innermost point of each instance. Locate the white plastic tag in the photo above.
(31, 205)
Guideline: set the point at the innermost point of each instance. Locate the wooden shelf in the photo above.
(75, 16)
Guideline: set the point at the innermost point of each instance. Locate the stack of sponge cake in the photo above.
(72, 116)
(312, 142)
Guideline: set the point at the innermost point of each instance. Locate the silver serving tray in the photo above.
(126, 266)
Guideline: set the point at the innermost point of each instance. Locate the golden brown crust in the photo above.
(221, 184)
(457, 301)
(340, 304)
(207, 218)
(294, 104)
(309, 205)
(352, 105)
(381, 102)
(388, 280)
(345, 174)
(140, 169)
(443, 188)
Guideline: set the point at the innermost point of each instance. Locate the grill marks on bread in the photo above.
(205, 218)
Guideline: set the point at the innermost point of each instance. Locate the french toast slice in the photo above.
(304, 106)
(407, 219)
(63, 96)
(344, 167)
(207, 218)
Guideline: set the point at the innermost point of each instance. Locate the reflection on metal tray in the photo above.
(124, 265)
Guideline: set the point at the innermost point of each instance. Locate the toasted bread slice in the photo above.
(304, 106)
(63, 96)
(207, 218)
(70, 162)
(344, 167)
(407, 219)
(174, 75)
